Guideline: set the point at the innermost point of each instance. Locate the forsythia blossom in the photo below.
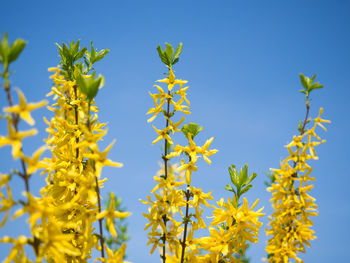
(290, 224)
(171, 226)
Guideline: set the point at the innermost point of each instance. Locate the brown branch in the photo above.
(164, 218)
(183, 243)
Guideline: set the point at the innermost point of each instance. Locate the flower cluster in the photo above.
(66, 220)
(177, 212)
(170, 222)
(62, 219)
(233, 224)
(290, 224)
(234, 227)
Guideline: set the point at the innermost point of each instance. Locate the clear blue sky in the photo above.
(242, 60)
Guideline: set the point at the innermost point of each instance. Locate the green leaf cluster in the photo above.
(93, 56)
(240, 180)
(90, 85)
(309, 85)
(168, 56)
(70, 55)
(9, 53)
(192, 128)
(73, 68)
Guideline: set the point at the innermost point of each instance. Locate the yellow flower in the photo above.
(17, 253)
(162, 134)
(158, 109)
(182, 93)
(4, 179)
(168, 183)
(34, 162)
(171, 81)
(24, 109)
(100, 158)
(110, 214)
(179, 107)
(114, 257)
(15, 139)
(205, 152)
(189, 168)
(6, 204)
(318, 120)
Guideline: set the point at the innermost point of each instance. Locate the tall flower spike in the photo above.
(290, 225)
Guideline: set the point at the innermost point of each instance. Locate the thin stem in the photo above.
(76, 120)
(100, 220)
(306, 117)
(183, 243)
(164, 218)
(24, 174)
(15, 121)
(88, 124)
(302, 131)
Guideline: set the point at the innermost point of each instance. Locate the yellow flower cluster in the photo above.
(29, 164)
(290, 224)
(170, 222)
(74, 170)
(61, 220)
(234, 227)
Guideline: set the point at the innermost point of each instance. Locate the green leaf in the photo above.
(5, 44)
(251, 178)
(177, 52)
(175, 61)
(65, 51)
(229, 188)
(304, 81)
(192, 129)
(245, 189)
(234, 175)
(101, 55)
(316, 85)
(162, 56)
(92, 54)
(312, 78)
(59, 48)
(16, 49)
(243, 175)
(169, 52)
(90, 86)
(79, 54)
(4, 51)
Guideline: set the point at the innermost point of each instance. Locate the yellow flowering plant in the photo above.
(175, 212)
(67, 220)
(28, 164)
(291, 222)
(62, 218)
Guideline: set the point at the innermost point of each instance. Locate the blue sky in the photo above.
(242, 60)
